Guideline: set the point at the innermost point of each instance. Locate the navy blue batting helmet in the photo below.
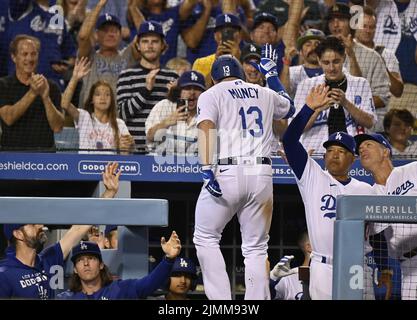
(227, 66)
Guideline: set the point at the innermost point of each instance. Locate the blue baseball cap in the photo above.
(227, 20)
(341, 139)
(192, 78)
(184, 265)
(9, 228)
(108, 18)
(374, 137)
(109, 228)
(265, 17)
(151, 26)
(86, 247)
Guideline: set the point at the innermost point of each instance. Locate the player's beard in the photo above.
(36, 242)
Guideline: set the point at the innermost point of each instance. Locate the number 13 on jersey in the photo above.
(252, 111)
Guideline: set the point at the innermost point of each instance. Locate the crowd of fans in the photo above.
(127, 74)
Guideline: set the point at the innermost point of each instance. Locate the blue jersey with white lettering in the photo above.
(18, 280)
(27, 17)
(4, 9)
(127, 289)
(408, 66)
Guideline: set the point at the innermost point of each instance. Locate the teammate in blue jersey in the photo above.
(319, 189)
(92, 280)
(26, 274)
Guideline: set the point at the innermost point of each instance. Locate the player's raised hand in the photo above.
(267, 66)
(111, 179)
(210, 182)
(282, 268)
(318, 97)
(172, 247)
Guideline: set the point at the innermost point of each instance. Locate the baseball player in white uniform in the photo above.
(286, 280)
(239, 179)
(375, 155)
(356, 100)
(319, 188)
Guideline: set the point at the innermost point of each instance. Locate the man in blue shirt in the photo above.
(26, 274)
(92, 280)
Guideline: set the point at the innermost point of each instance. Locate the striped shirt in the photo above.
(135, 101)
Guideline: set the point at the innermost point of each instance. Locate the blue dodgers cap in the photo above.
(9, 228)
(108, 18)
(184, 265)
(151, 26)
(227, 20)
(109, 228)
(341, 139)
(265, 17)
(85, 247)
(374, 137)
(192, 78)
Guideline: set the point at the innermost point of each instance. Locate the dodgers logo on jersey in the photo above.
(403, 189)
(328, 204)
(389, 26)
(183, 263)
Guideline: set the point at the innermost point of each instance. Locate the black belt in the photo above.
(235, 161)
(410, 253)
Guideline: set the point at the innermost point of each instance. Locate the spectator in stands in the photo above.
(291, 76)
(278, 32)
(398, 127)
(4, 21)
(107, 62)
(366, 37)
(198, 30)
(111, 237)
(30, 103)
(171, 127)
(252, 53)
(75, 12)
(388, 24)
(140, 88)
(116, 8)
(26, 274)
(351, 109)
(362, 61)
(92, 279)
(407, 56)
(99, 127)
(179, 65)
(31, 17)
(170, 18)
(227, 34)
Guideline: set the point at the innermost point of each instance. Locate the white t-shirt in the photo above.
(180, 139)
(95, 135)
(243, 114)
